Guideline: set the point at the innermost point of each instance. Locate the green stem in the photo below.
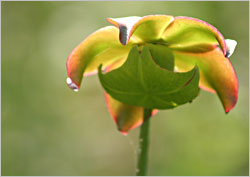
(143, 144)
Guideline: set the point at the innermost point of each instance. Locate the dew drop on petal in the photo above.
(72, 85)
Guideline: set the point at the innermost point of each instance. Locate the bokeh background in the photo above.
(47, 129)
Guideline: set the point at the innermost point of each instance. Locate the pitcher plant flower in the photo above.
(191, 42)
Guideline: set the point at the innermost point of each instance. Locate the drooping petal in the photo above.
(144, 29)
(125, 116)
(217, 74)
(101, 47)
(187, 33)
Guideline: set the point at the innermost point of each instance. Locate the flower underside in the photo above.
(190, 41)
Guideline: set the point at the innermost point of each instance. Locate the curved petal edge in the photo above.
(100, 47)
(217, 74)
(145, 29)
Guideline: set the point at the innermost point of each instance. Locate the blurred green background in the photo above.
(47, 129)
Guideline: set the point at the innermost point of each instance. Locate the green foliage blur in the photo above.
(47, 129)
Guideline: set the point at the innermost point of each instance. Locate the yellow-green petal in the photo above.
(101, 47)
(187, 33)
(217, 74)
(144, 29)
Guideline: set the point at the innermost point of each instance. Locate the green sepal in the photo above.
(141, 82)
(162, 56)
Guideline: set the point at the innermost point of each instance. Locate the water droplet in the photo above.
(72, 85)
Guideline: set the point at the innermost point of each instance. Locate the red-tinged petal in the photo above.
(125, 116)
(187, 32)
(101, 47)
(143, 29)
(216, 73)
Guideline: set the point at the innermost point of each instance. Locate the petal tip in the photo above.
(72, 85)
(227, 110)
(124, 133)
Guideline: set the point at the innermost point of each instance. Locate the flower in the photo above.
(192, 41)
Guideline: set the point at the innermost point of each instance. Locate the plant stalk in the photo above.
(142, 162)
